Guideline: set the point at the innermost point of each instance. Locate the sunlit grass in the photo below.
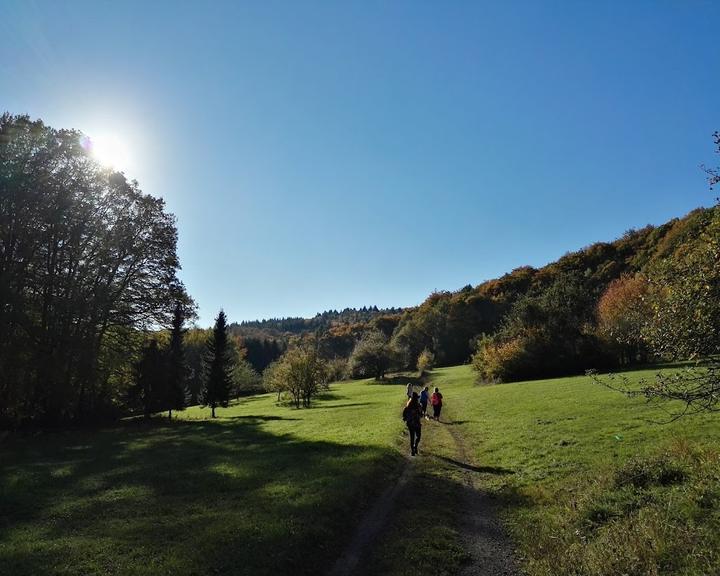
(562, 444)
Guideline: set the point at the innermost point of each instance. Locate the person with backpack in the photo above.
(424, 397)
(413, 420)
(436, 401)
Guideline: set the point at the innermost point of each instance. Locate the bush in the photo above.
(426, 361)
(502, 361)
(337, 369)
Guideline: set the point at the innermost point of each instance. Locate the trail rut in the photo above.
(371, 525)
(482, 532)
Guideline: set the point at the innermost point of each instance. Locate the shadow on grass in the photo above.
(250, 418)
(184, 497)
(481, 469)
(346, 405)
(402, 379)
(438, 522)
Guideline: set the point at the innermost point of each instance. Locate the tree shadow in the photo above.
(401, 379)
(480, 469)
(467, 518)
(345, 405)
(251, 418)
(187, 497)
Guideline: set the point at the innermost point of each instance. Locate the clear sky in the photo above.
(327, 154)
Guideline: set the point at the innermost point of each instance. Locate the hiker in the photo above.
(413, 419)
(436, 401)
(424, 397)
(409, 391)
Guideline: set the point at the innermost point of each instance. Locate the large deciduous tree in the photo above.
(86, 260)
(623, 313)
(684, 323)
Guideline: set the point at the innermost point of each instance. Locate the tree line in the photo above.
(598, 308)
(88, 263)
(92, 312)
(189, 367)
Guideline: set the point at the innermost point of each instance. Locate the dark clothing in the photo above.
(436, 411)
(415, 434)
(423, 406)
(413, 418)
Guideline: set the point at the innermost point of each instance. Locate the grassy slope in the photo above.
(590, 485)
(261, 490)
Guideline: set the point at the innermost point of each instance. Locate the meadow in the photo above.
(585, 482)
(260, 490)
(590, 481)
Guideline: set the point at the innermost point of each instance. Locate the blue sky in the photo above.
(320, 155)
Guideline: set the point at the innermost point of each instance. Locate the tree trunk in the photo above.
(170, 414)
(213, 411)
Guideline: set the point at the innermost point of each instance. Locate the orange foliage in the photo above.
(623, 309)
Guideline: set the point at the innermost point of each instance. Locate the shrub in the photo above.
(337, 369)
(426, 361)
(499, 360)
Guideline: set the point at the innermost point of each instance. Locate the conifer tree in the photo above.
(176, 386)
(219, 378)
(150, 379)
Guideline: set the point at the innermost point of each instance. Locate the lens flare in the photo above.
(108, 150)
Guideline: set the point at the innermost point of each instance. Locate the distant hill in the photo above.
(449, 323)
(322, 321)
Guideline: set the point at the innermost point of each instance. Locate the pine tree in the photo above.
(219, 380)
(150, 379)
(177, 371)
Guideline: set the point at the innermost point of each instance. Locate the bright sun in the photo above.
(108, 150)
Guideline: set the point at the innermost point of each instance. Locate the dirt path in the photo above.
(372, 524)
(482, 532)
(483, 537)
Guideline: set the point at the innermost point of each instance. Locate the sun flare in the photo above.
(108, 150)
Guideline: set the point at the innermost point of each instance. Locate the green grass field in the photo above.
(589, 484)
(261, 490)
(586, 484)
